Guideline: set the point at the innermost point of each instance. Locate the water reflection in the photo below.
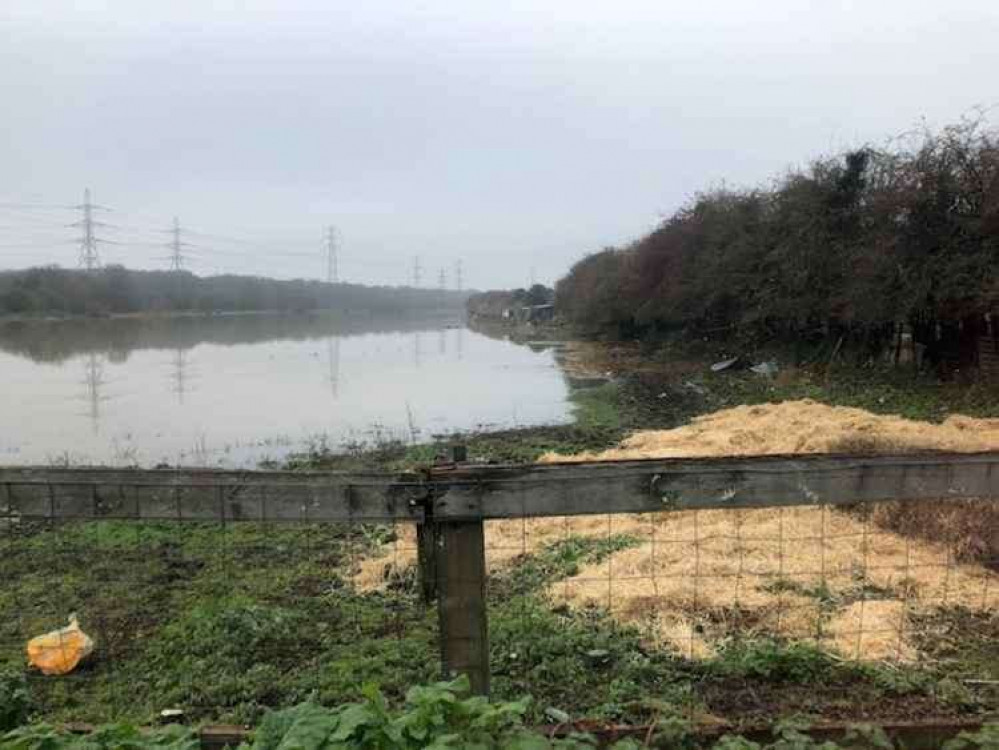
(179, 384)
(333, 360)
(58, 340)
(93, 381)
(232, 390)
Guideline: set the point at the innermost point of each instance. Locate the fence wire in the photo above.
(897, 586)
(222, 620)
(840, 579)
(216, 620)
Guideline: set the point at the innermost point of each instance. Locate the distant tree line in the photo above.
(114, 289)
(845, 252)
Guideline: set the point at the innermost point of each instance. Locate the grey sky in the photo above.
(511, 135)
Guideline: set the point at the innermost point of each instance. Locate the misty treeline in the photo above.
(114, 289)
(848, 251)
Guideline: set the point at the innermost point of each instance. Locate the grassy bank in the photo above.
(225, 623)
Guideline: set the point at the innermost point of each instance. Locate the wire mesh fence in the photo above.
(843, 580)
(217, 620)
(222, 619)
(859, 585)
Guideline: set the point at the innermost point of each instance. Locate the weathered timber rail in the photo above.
(449, 503)
(488, 491)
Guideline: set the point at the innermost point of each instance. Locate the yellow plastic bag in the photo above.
(61, 650)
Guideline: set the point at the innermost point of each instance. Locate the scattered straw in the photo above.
(806, 573)
(799, 427)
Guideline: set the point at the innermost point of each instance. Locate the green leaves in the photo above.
(766, 659)
(435, 716)
(111, 737)
(985, 739)
(441, 717)
(15, 700)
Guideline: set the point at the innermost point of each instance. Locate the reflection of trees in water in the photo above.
(117, 338)
(503, 332)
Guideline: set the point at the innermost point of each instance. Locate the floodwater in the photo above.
(232, 390)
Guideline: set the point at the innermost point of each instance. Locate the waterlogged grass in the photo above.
(597, 406)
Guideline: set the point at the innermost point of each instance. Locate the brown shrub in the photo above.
(969, 527)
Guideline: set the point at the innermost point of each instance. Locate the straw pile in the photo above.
(799, 427)
(697, 577)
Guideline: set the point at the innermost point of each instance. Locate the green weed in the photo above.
(15, 700)
(768, 659)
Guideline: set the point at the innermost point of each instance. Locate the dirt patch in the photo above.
(589, 359)
(744, 701)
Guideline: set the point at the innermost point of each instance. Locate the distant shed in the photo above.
(535, 314)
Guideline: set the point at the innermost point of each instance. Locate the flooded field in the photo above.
(231, 390)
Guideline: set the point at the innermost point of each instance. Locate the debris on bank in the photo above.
(60, 651)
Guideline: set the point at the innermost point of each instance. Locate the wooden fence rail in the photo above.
(450, 502)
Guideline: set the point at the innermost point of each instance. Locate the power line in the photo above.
(332, 271)
(29, 226)
(89, 257)
(176, 256)
(264, 244)
(34, 206)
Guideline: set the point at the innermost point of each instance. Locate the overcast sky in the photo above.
(511, 135)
